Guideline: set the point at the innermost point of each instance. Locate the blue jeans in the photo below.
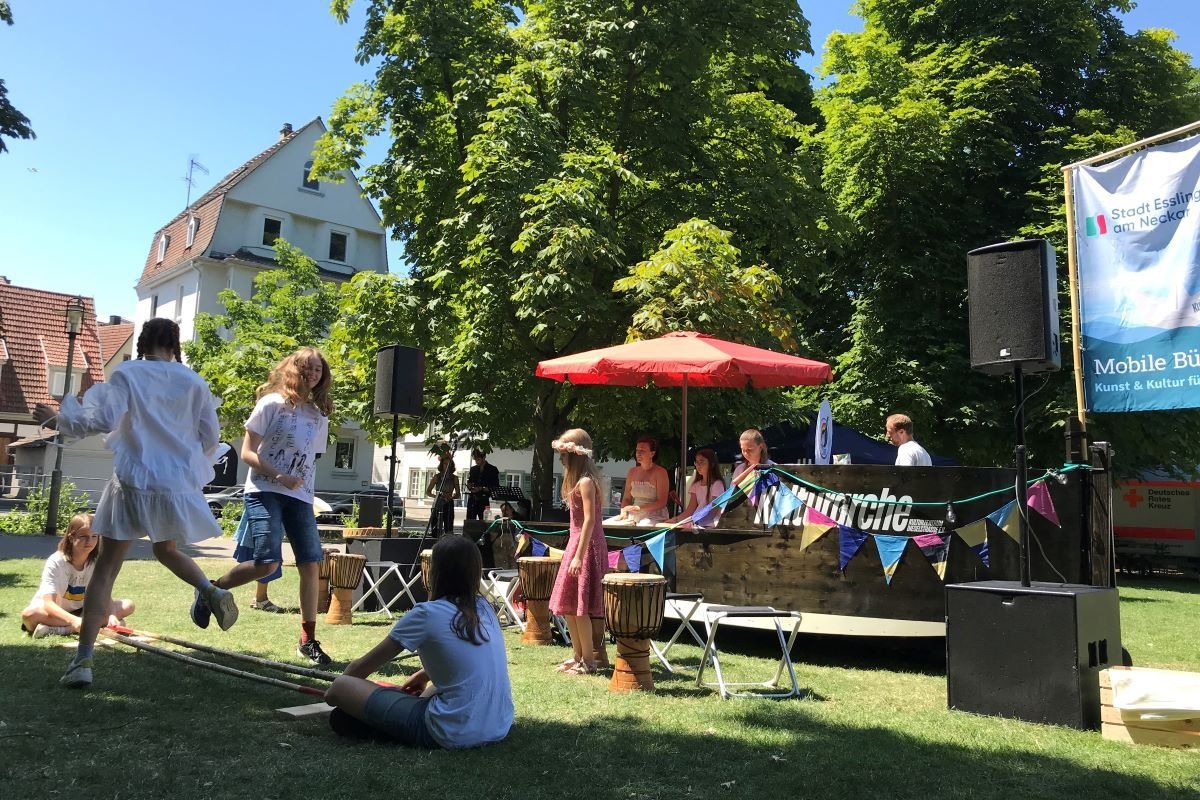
(401, 716)
(270, 515)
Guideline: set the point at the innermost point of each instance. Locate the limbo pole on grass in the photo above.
(204, 648)
(199, 662)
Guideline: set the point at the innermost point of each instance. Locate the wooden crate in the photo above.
(1182, 734)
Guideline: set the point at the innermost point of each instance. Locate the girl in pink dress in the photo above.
(578, 594)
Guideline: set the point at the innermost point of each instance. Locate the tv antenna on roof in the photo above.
(193, 165)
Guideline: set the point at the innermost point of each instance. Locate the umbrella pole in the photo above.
(683, 447)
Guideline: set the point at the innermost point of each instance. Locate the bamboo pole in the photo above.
(1073, 285)
(1140, 143)
(199, 662)
(265, 662)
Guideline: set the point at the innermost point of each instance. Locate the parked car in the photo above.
(342, 504)
(218, 500)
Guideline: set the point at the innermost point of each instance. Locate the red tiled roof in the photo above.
(32, 327)
(113, 338)
(207, 208)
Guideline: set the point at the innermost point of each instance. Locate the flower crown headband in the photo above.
(563, 446)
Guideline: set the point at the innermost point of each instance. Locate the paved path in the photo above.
(42, 546)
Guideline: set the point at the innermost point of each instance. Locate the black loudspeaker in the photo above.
(1012, 288)
(1031, 652)
(371, 510)
(399, 381)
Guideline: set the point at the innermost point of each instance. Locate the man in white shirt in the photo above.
(900, 433)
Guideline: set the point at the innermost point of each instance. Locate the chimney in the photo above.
(115, 319)
(285, 131)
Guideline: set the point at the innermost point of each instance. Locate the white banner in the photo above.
(1137, 233)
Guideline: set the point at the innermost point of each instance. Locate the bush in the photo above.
(231, 515)
(350, 520)
(32, 521)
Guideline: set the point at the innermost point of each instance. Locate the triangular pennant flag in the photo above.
(523, 544)
(554, 552)
(851, 541)
(614, 556)
(1039, 501)
(722, 500)
(657, 545)
(633, 557)
(816, 525)
(936, 550)
(539, 547)
(765, 481)
(975, 535)
(890, 548)
(784, 503)
(1006, 520)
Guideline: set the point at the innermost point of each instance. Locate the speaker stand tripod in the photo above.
(1022, 473)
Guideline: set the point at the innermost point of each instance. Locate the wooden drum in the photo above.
(537, 574)
(345, 572)
(633, 609)
(323, 579)
(426, 559)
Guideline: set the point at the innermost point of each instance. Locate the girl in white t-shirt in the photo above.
(707, 484)
(56, 608)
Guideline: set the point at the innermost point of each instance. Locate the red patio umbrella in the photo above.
(685, 358)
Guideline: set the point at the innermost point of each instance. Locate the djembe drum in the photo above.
(633, 608)
(426, 557)
(323, 579)
(537, 574)
(344, 575)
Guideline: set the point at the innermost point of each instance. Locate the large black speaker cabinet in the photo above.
(399, 381)
(1030, 652)
(1012, 288)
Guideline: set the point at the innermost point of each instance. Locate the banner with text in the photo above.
(1137, 233)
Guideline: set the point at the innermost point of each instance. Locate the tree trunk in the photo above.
(548, 422)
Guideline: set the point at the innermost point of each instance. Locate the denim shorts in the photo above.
(401, 716)
(270, 515)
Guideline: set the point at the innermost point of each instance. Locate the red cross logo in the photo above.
(1132, 497)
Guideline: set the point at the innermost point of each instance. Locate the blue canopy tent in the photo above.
(793, 444)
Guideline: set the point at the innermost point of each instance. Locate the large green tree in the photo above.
(13, 123)
(946, 123)
(535, 160)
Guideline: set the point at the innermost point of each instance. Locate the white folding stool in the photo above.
(714, 615)
(503, 598)
(684, 605)
(374, 584)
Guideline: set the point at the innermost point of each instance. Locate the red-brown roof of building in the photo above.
(32, 325)
(207, 207)
(113, 338)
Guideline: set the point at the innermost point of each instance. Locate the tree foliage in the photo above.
(535, 161)
(946, 124)
(290, 308)
(13, 124)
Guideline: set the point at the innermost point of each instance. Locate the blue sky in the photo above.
(121, 96)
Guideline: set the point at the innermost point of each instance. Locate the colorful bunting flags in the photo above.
(1006, 520)
(633, 557)
(851, 540)
(614, 556)
(975, 536)
(891, 549)
(1039, 501)
(784, 503)
(657, 545)
(539, 547)
(765, 481)
(707, 515)
(936, 550)
(815, 526)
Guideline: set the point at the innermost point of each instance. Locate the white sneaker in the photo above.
(78, 674)
(42, 631)
(223, 607)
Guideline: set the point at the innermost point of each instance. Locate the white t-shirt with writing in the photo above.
(911, 454)
(61, 579)
(291, 438)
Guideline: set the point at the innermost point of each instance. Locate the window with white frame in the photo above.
(193, 228)
(164, 241)
(415, 485)
(343, 454)
(153, 306)
(337, 246)
(179, 305)
(272, 230)
(58, 381)
(307, 181)
(512, 480)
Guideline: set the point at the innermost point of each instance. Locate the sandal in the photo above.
(582, 668)
(269, 607)
(567, 665)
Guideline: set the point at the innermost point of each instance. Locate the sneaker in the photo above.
(200, 611)
(268, 606)
(78, 674)
(223, 607)
(42, 631)
(313, 652)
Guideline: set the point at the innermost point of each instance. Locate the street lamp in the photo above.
(75, 310)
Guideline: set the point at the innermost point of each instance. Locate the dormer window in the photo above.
(58, 382)
(164, 241)
(337, 246)
(272, 230)
(193, 227)
(307, 181)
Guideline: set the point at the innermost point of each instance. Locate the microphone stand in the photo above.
(435, 520)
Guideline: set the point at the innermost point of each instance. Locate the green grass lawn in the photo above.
(876, 721)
